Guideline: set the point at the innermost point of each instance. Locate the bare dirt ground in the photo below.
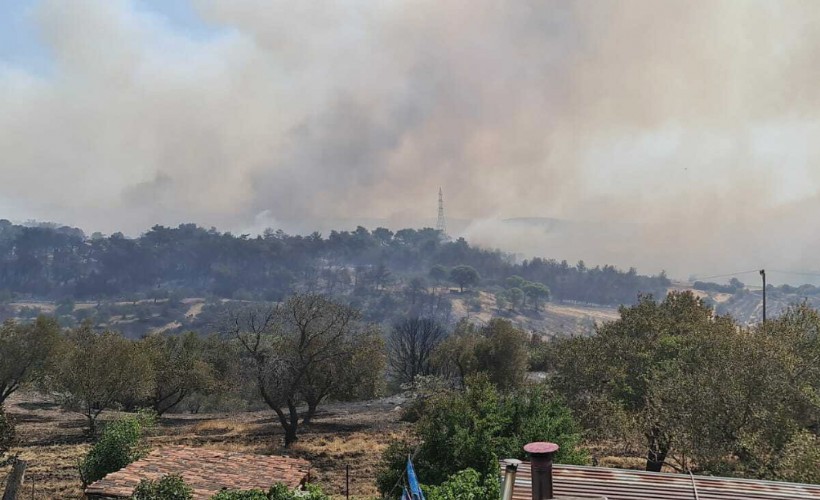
(44, 307)
(173, 325)
(195, 307)
(52, 442)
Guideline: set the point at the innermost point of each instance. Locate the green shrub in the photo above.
(279, 491)
(170, 487)
(540, 354)
(391, 468)
(6, 433)
(801, 462)
(310, 492)
(419, 392)
(474, 428)
(465, 485)
(240, 495)
(119, 445)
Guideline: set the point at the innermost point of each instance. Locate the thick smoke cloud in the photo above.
(681, 134)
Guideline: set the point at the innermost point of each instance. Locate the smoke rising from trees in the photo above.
(683, 129)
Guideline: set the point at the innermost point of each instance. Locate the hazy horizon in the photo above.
(680, 133)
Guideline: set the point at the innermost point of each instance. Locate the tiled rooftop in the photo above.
(206, 471)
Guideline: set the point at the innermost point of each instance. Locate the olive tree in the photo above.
(761, 385)
(303, 351)
(95, 372)
(355, 373)
(179, 368)
(655, 366)
(25, 350)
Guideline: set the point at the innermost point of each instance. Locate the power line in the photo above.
(778, 271)
(792, 273)
(730, 274)
(795, 273)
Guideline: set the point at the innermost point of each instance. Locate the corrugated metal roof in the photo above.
(624, 484)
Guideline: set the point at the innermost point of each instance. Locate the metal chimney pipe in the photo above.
(509, 478)
(541, 468)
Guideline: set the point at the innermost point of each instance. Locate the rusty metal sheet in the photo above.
(624, 484)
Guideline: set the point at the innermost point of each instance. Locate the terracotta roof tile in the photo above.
(206, 471)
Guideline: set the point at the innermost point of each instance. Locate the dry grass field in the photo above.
(554, 319)
(52, 442)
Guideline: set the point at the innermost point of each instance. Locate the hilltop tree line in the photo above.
(46, 261)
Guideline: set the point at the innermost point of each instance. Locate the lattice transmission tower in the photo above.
(441, 223)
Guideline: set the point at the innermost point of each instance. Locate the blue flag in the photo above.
(413, 482)
(405, 495)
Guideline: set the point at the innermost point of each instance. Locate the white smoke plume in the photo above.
(683, 134)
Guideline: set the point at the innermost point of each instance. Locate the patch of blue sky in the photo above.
(20, 42)
(182, 17)
(22, 47)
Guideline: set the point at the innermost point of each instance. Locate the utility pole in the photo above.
(763, 273)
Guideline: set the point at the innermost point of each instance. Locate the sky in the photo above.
(676, 135)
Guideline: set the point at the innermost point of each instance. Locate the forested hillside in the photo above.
(49, 262)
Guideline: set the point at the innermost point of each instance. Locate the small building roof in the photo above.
(623, 484)
(206, 471)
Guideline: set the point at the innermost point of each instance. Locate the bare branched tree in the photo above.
(303, 351)
(411, 345)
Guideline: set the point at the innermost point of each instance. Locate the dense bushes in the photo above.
(801, 461)
(173, 487)
(475, 427)
(497, 350)
(170, 487)
(598, 285)
(647, 376)
(465, 485)
(278, 492)
(119, 445)
(707, 286)
(241, 495)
